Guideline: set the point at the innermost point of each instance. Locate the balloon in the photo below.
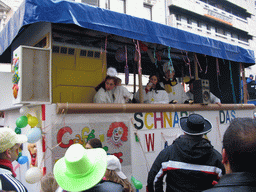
(33, 175)
(17, 130)
(28, 115)
(15, 78)
(22, 122)
(22, 159)
(137, 184)
(24, 110)
(34, 135)
(120, 55)
(32, 121)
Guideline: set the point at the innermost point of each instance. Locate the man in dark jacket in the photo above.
(191, 163)
(239, 157)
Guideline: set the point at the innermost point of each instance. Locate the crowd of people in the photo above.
(163, 90)
(190, 163)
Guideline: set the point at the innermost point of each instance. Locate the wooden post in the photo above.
(134, 77)
(140, 85)
(244, 83)
(196, 67)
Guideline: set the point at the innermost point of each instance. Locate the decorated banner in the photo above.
(113, 135)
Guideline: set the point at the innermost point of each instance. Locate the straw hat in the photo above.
(80, 169)
(8, 138)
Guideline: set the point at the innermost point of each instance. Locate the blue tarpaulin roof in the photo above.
(95, 18)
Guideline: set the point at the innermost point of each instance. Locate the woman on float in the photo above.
(153, 92)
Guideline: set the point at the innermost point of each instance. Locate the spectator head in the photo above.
(118, 81)
(195, 124)
(48, 183)
(93, 143)
(154, 79)
(239, 145)
(110, 83)
(168, 70)
(113, 164)
(10, 143)
(80, 169)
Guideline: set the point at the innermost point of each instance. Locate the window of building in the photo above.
(199, 24)
(220, 31)
(178, 17)
(242, 38)
(107, 4)
(91, 2)
(212, 2)
(189, 21)
(208, 27)
(148, 11)
(121, 4)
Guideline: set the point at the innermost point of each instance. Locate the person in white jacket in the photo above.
(174, 89)
(105, 91)
(121, 94)
(153, 92)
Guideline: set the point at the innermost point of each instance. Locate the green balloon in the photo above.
(137, 184)
(22, 122)
(17, 130)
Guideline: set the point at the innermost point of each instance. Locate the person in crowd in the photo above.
(121, 94)
(9, 150)
(171, 85)
(250, 79)
(83, 169)
(153, 92)
(114, 173)
(238, 157)
(105, 92)
(190, 95)
(191, 163)
(48, 183)
(93, 143)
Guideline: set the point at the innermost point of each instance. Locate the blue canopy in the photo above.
(95, 18)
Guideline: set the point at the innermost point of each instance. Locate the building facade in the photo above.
(4, 10)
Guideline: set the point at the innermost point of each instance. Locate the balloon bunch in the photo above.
(34, 134)
(34, 174)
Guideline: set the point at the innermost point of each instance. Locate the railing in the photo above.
(209, 33)
(134, 108)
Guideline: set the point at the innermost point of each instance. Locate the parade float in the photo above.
(60, 55)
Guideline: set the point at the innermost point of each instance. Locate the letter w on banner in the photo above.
(150, 142)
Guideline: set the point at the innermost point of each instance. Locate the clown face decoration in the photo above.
(117, 134)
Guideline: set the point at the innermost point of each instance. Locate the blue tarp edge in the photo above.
(95, 18)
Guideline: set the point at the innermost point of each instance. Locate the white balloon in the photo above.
(24, 110)
(33, 175)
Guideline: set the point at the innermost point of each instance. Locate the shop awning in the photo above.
(95, 18)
